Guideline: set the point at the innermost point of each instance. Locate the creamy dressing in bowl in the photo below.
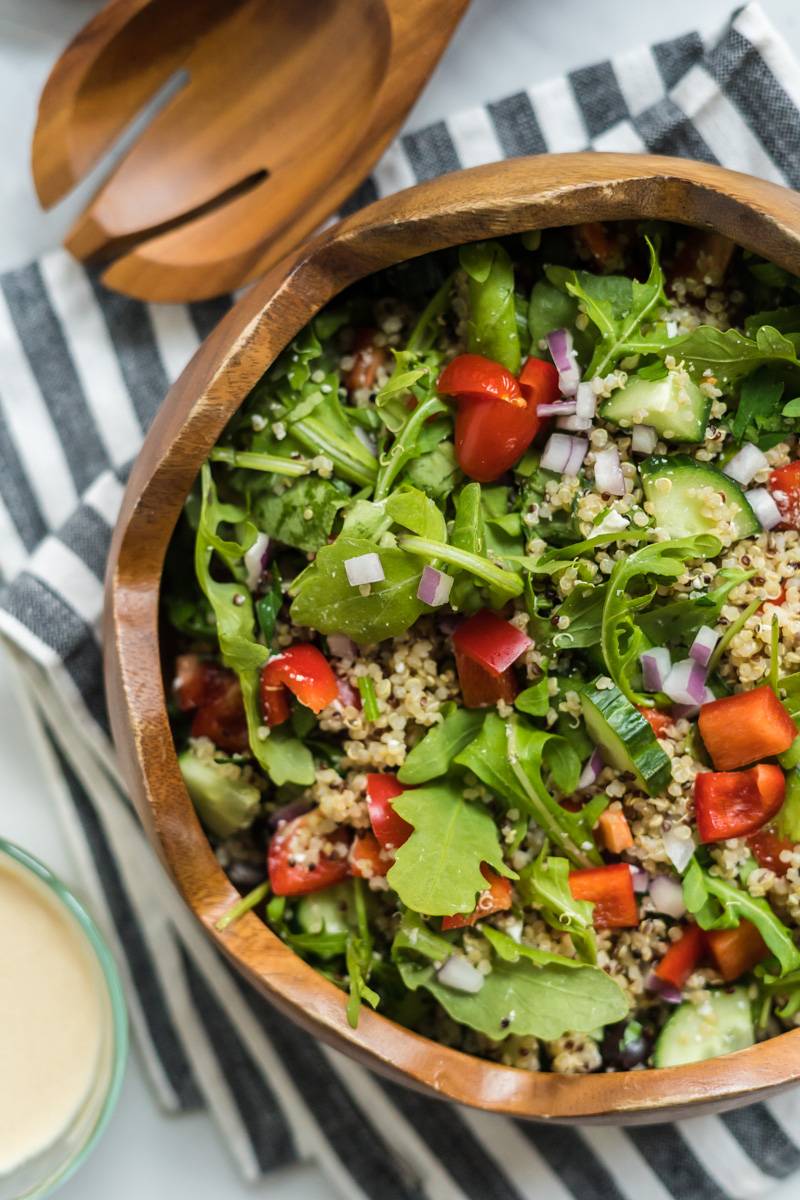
(62, 1029)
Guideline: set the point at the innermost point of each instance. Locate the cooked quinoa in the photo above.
(486, 677)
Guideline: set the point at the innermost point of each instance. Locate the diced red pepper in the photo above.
(192, 685)
(490, 641)
(741, 729)
(305, 671)
(784, 487)
(479, 378)
(214, 693)
(389, 828)
(365, 856)
(682, 957)
(368, 358)
(294, 868)
(496, 898)
(730, 804)
(611, 891)
(595, 239)
(766, 846)
(659, 722)
(736, 951)
(615, 832)
(479, 688)
(705, 256)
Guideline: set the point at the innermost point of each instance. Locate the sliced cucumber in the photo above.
(224, 802)
(625, 737)
(721, 1023)
(330, 911)
(679, 489)
(674, 406)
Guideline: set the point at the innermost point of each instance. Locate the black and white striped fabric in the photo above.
(82, 372)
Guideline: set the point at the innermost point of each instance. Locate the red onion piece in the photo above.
(586, 401)
(667, 896)
(363, 569)
(667, 991)
(564, 454)
(458, 973)
(574, 424)
(690, 711)
(434, 587)
(348, 696)
(705, 640)
(559, 343)
(255, 560)
(686, 682)
(591, 769)
(559, 408)
(608, 475)
(643, 439)
(288, 812)
(679, 850)
(656, 666)
(764, 507)
(341, 646)
(641, 879)
(746, 464)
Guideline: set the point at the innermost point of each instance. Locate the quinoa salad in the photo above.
(481, 628)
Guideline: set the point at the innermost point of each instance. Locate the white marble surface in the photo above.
(501, 45)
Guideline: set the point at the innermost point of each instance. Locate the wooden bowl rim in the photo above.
(494, 200)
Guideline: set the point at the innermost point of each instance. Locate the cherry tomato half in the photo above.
(305, 671)
(295, 867)
(388, 826)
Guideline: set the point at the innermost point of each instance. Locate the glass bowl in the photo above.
(39, 1175)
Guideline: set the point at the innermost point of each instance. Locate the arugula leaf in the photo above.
(677, 622)
(584, 609)
(435, 472)
(438, 870)
(302, 515)
(510, 951)
(358, 958)
(492, 322)
(551, 308)
(535, 700)
(505, 583)
(544, 884)
(285, 758)
(509, 757)
(622, 640)
(364, 519)
(408, 442)
(412, 509)
(728, 354)
(269, 605)
(325, 600)
(718, 904)
(785, 319)
(432, 755)
(759, 405)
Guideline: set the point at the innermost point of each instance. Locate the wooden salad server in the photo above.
(285, 107)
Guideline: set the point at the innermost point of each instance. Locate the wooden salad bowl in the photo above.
(489, 201)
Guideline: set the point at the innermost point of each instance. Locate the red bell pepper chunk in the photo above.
(389, 828)
(215, 695)
(766, 846)
(479, 378)
(736, 951)
(294, 866)
(490, 641)
(479, 688)
(784, 487)
(730, 804)
(659, 722)
(495, 898)
(305, 671)
(366, 860)
(682, 957)
(741, 729)
(611, 891)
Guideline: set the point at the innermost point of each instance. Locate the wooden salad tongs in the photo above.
(285, 107)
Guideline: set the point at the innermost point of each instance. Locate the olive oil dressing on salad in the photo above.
(482, 624)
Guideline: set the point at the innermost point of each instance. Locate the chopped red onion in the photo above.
(559, 408)
(667, 991)
(643, 439)
(563, 454)
(667, 896)
(591, 769)
(255, 560)
(747, 463)
(348, 696)
(641, 879)
(764, 507)
(679, 850)
(363, 569)
(656, 666)
(434, 587)
(574, 424)
(341, 646)
(690, 711)
(586, 401)
(559, 343)
(608, 475)
(705, 640)
(686, 682)
(458, 973)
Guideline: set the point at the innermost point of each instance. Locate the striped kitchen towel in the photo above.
(82, 371)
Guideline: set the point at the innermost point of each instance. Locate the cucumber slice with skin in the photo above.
(331, 910)
(676, 487)
(720, 1024)
(674, 406)
(625, 738)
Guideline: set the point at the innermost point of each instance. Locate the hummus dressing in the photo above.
(51, 1016)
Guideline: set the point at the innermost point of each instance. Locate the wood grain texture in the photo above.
(285, 108)
(488, 201)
